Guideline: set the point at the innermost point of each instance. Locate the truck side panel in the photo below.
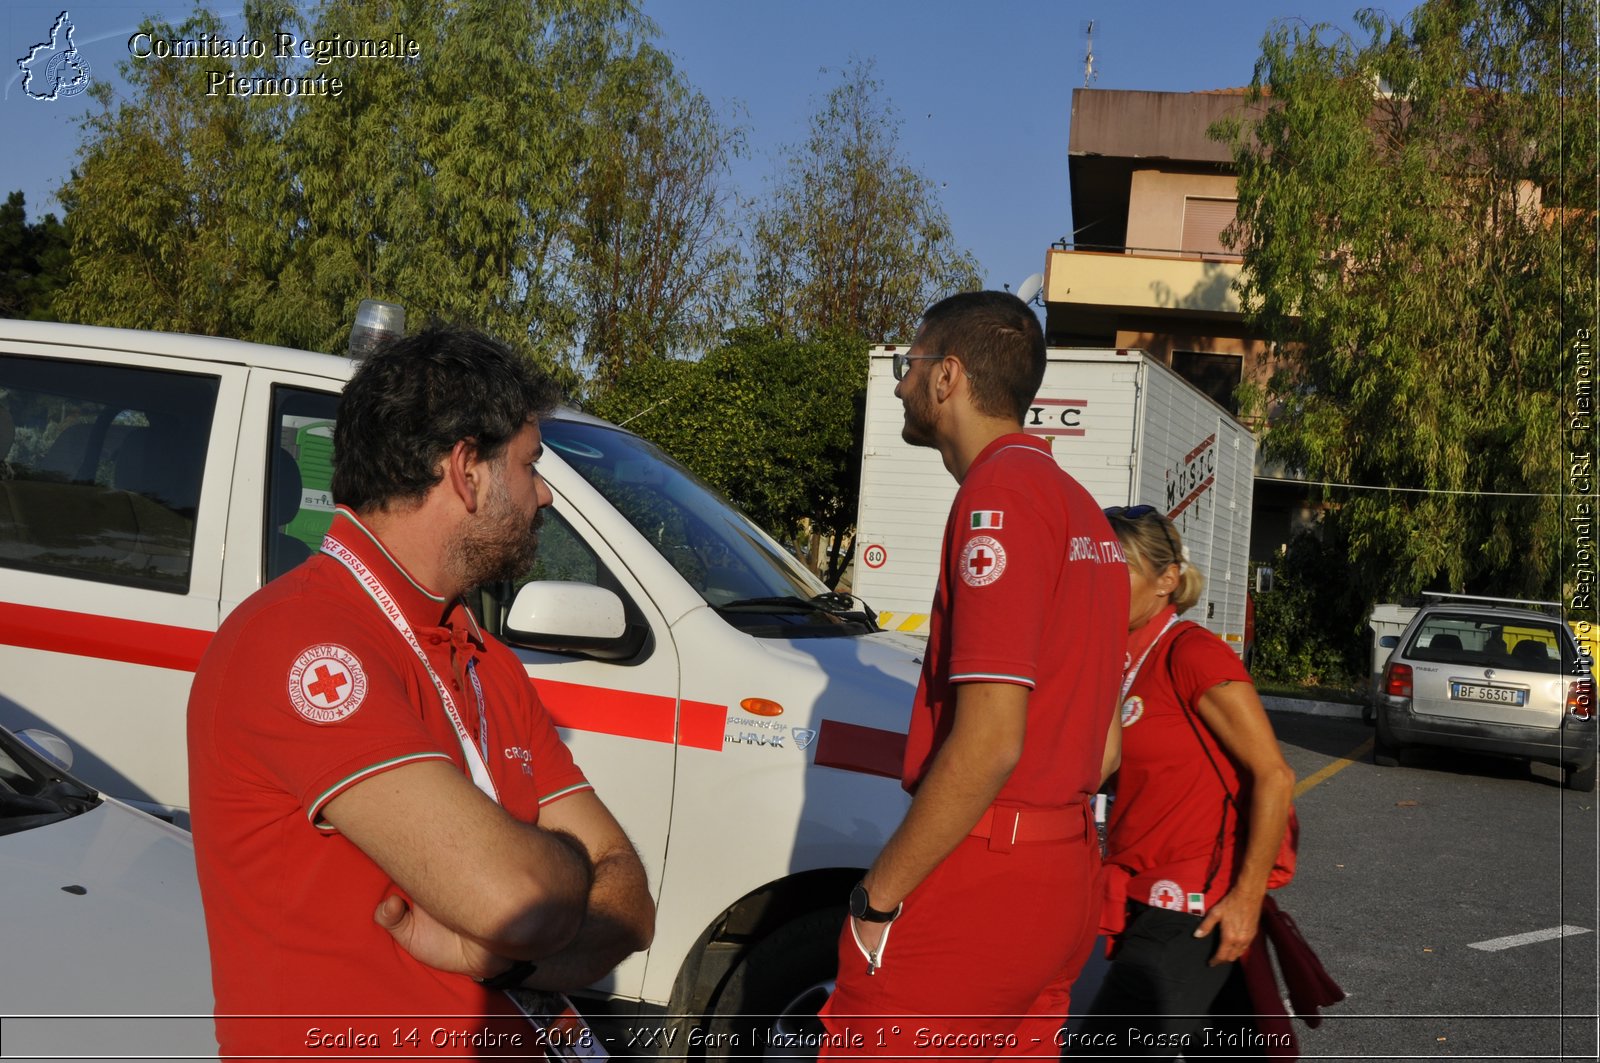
(1197, 465)
(905, 500)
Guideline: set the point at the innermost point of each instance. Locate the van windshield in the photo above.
(730, 562)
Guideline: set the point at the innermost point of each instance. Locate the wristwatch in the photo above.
(861, 907)
(511, 977)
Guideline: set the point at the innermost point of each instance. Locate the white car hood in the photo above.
(102, 918)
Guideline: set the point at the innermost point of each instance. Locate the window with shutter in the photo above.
(1204, 218)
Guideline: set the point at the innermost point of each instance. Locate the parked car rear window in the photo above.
(1522, 645)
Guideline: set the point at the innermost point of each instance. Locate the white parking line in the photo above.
(1496, 944)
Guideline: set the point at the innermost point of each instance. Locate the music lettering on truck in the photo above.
(1128, 428)
(715, 692)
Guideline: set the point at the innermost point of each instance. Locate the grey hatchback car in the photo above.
(1491, 679)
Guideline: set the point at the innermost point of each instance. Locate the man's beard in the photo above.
(918, 429)
(499, 544)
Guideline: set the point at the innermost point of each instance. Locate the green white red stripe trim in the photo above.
(566, 792)
(365, 773)
(992, 677)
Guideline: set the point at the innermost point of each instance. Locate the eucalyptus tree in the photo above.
(852, 238)
(1417, 220)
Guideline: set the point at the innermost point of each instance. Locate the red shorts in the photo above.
(981, 961)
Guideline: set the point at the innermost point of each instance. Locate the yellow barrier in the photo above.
(910, 623)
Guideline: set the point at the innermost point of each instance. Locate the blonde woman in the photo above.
(1203, 798)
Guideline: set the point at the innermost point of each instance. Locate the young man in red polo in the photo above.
(968, 930)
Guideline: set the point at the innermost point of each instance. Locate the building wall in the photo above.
(1155, 206)
(1163, 338)
(1132, 282)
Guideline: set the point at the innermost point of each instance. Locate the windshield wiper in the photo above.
(832, 603)
(786, 603)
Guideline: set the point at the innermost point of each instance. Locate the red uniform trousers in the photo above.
(982, 959)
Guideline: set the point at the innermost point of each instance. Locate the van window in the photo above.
(562, 555)
(100, 470)
(299, 503)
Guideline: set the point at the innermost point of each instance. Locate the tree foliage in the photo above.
(156, 203)
(1406, 205)
(1311, 627)
(853, 239)
(34, 260)
(652, 271)
(773, 422)
(468, 183)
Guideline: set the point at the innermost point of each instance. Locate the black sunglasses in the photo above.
(1139, 513)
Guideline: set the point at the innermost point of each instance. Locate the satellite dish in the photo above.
(1028, 290)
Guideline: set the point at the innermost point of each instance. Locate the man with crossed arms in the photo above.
(387, 828)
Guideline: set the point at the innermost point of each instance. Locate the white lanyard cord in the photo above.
(1128, 679)
(477, 765)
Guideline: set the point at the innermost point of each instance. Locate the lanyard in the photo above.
(477, 762)
(1128, 679)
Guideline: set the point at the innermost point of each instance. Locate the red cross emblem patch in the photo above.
(1167, 894)
(982, 561)
(326, 683)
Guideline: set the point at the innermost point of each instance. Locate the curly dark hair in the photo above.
(999, 342)
(417, 396)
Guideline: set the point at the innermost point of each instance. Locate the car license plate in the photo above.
(1474, 692)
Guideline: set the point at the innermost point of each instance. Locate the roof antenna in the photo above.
(1088, 52)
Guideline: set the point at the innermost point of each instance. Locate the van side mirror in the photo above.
(564, 616)
(1389, 642)
(1263, 580)
(51, 747)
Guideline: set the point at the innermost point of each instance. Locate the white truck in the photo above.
(1129, 429)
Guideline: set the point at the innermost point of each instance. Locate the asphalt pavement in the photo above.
(1454, 898)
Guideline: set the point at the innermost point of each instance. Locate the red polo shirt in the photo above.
(1166, 825)
(1033, 590)
(307, 689)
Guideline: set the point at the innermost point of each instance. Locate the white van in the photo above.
(744, 724)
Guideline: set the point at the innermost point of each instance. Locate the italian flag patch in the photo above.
(987, 518)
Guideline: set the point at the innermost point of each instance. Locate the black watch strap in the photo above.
(511, 977)
(861, 907)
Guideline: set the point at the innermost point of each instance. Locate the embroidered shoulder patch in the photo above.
(327, 683)
(1132, 710)
(983, 559)
(987, 518)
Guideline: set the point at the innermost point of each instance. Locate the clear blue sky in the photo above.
(983, 88)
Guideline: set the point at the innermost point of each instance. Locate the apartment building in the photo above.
(1145, 265)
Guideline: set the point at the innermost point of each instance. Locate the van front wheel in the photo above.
(768, 1006)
